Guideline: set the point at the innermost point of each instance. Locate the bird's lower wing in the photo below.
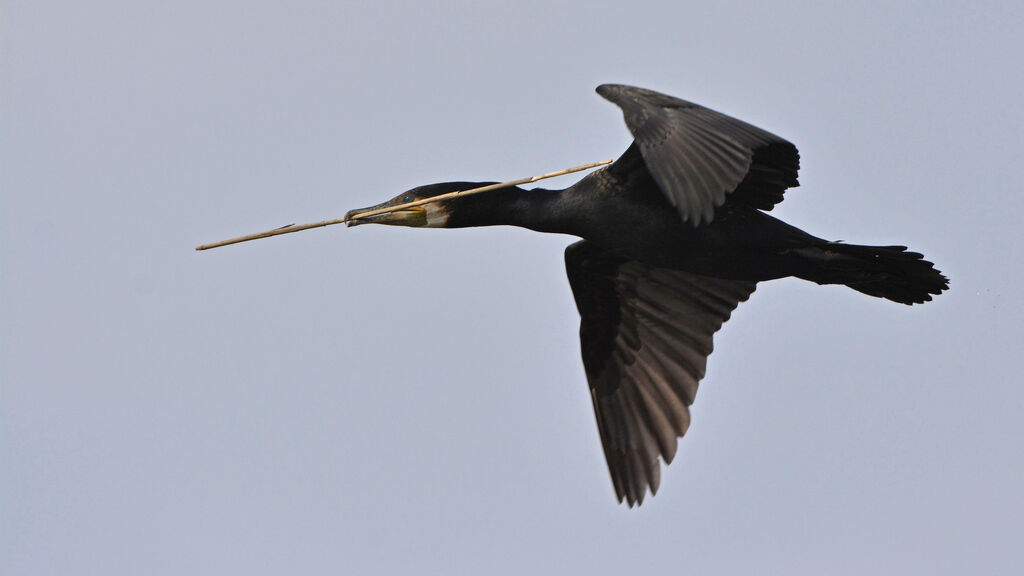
(645, 334)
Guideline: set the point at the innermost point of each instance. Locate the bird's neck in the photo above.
(537, 209)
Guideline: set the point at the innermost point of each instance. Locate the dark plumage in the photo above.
(674, 237)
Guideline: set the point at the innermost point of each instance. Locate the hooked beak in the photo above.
(413, 216)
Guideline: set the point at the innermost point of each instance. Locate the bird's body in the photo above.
(637, 223)
(674, 236)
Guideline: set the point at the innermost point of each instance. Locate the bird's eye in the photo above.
(408, 198)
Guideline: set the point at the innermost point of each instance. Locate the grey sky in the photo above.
(384, 400)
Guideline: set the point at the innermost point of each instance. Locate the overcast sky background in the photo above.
(400, 401)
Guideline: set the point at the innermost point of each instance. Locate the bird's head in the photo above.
(429, 215)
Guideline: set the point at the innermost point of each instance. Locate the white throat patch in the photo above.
(437, 217)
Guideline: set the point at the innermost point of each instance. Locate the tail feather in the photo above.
(889, 272)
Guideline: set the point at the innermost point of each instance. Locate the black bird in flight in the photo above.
(674, 237)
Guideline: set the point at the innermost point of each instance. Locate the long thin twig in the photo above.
(299, 227)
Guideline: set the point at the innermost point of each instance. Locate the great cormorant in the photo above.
(674, 237)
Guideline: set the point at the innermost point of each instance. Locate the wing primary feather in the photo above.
(663, 429)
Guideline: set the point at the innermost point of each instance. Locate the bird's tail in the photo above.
(889, 272)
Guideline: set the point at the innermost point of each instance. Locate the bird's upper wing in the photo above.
(645, 334)
(698, 156)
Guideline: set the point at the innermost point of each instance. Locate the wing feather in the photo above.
(699, 158)
(645, 335)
